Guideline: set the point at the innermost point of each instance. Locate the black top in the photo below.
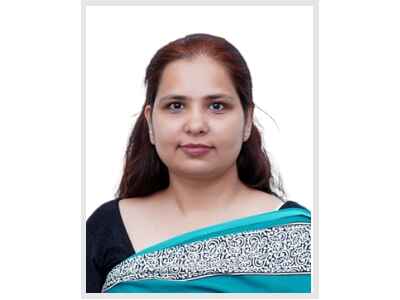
(108, 243)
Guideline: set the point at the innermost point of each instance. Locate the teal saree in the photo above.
(263, 253)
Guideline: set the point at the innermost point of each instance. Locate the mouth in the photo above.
(191, 145)
(196, 150)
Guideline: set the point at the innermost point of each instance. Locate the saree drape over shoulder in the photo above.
(264, 253)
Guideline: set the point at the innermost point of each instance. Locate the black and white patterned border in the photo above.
(283, 249)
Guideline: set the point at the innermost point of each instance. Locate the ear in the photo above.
(248, 125)
(147, 115)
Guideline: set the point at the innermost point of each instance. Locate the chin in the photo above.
(195, 172)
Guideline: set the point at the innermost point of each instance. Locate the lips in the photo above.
(196, 150)
(195, 146)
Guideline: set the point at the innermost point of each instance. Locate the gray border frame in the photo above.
(315, 213)
(198, 2)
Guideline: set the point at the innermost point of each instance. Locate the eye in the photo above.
(216, 105)
(174, 105)
(177, 106)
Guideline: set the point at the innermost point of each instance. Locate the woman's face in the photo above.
(196, 103)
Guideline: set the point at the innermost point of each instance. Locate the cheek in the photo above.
(230, 134)
(166, 135)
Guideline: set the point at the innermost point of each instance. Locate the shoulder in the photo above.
(106, 239)
(134, 202)
(139, 207)
(106, 244)
(262, 200)
(103, 217)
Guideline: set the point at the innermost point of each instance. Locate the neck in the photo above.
(194, 196)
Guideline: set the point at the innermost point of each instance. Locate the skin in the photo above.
(203, 190)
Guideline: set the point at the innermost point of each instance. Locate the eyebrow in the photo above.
(207, 97)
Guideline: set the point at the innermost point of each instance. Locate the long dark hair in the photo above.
(144, 173)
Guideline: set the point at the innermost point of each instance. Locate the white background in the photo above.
(40, 163)
(277, 44)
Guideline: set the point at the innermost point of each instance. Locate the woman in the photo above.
(197, 208)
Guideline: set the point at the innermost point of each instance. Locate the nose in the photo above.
(196, 123)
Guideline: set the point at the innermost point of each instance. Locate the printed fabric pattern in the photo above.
(282, 249)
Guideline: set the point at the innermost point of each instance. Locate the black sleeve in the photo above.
(94, 276)
(107, 244)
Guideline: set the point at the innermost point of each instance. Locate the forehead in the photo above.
(195, 77)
